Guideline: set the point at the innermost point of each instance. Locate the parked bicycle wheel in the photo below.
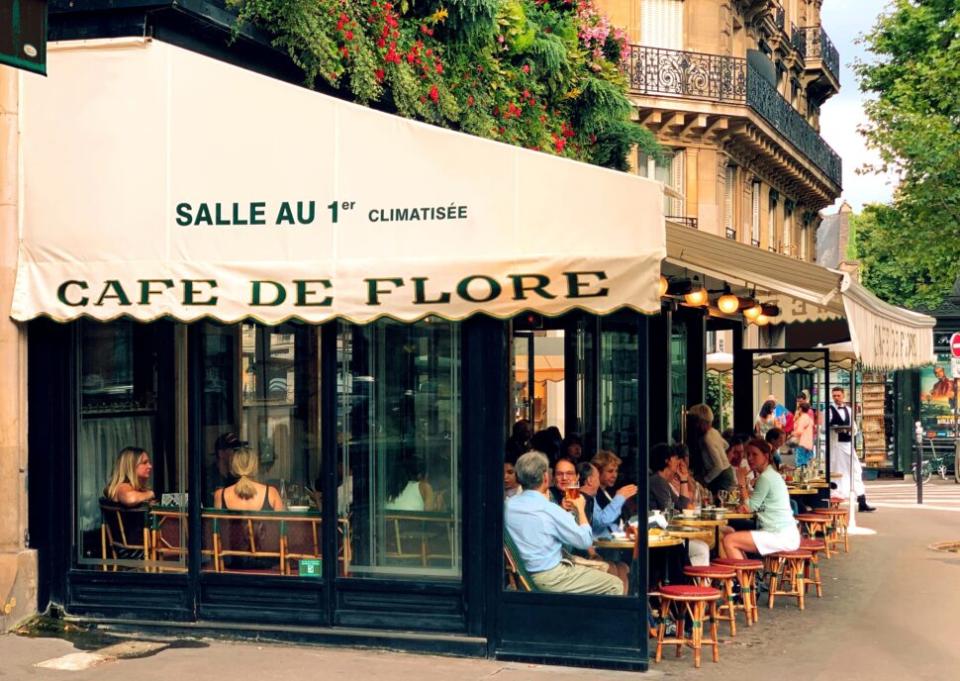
(926, 471)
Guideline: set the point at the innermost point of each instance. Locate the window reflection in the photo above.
(261, 511)
(398, 388)
(127, 466)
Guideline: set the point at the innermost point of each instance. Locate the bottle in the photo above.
(283, 493)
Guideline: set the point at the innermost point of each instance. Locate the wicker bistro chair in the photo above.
(420, 537)
(168, 539)
(247, 541)
(696, 603)
(124, 533)
(516, 576)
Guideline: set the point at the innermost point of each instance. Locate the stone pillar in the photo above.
(18, 564)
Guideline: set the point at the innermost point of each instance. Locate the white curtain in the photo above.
(101, 439)
(661, 24)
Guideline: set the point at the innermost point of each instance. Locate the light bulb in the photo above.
(697, 298)
(728, 303)
(761, 320)
(664, 285)
(752, 313)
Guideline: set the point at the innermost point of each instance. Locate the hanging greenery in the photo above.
(542, 74)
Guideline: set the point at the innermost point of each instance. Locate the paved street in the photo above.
(889, 612)
(938, 495)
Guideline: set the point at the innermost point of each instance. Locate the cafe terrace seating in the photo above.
(124, 533)
(420, 537)
(684, 602)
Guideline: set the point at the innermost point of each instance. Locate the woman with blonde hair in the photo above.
(130, 477)
(246, 494)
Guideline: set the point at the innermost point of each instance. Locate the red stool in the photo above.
(814, 546)
(682, 600)
(787, 568)
(836, 502)
(813, 523)
(721, 578)
(747, 569)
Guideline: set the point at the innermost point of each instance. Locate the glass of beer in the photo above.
(571, 492)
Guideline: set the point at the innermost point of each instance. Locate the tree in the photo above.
(909, 249)
(542, 74)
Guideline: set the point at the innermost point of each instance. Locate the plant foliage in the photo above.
(542, 74)
(909, 249)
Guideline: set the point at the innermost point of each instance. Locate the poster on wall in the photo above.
(937, 399)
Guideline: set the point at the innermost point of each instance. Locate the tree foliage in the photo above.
(542, 74)
(909, 249)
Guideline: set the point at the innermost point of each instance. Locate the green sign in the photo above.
(23, 34)
(311, 567)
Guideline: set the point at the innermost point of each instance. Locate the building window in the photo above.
(672, 172)
(261, 484)
(755, 213)
(788, 247)
(398, 416)
(729, 201)
(804, 241)
(131, 476)
(661, 24)
(772, 221)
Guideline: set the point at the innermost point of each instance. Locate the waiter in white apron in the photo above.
(844, 463)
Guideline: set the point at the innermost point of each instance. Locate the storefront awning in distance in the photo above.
(884, 337)
(180, 186)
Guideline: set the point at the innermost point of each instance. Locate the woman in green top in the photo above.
(770, 500)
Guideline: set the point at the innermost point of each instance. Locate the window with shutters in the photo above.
(755, 213)
(788, 248)
(672, 172)
(772, 221)
(804, 241)
(729, 201)
(661, 24)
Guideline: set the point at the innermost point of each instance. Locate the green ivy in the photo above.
(542, 74)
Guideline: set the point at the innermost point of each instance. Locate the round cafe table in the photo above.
(714, 523)
(736, 515)
(654, 541)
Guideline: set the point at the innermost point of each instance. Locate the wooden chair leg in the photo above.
(697, 633)
(774, 575)
(714, 638)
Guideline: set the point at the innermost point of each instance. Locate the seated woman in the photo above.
(665, 465)
(130, 477)
(771, 502)
(409, 490)
(246, 494)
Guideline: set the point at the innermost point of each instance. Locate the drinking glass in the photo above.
(572, 492)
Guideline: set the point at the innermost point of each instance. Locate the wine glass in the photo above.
(724, 496)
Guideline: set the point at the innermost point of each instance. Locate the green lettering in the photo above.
(146, 288)
(256, 213)
(203, 215)
(62, 292)
(190, 291)
(285, 214)
(374, 290)
(303, 292)
(118, 293)
(420, 293)
(183, 214)
(538, 286)
(463, 288)
(574, 284)
(279, 295)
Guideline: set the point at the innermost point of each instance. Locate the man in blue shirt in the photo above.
(540, 529)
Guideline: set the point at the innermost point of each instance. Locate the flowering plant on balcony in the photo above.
(542, 74)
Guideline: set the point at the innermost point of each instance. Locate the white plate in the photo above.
(299, 509)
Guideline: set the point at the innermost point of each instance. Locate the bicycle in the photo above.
(935, 463)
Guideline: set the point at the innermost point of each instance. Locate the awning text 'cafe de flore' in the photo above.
(210, 257)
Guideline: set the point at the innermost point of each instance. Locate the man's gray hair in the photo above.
(530, 469)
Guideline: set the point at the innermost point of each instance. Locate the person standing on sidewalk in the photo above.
(843, 460)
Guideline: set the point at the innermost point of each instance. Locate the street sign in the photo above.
(955, 345)
(23, 34)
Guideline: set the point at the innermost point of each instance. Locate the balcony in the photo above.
(660, 72)
(820, 48)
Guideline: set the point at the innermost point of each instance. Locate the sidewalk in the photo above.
(888, 613)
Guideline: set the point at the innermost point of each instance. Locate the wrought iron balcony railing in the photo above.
(683, 220)
(727, 80)
(799, 40)
(658, 71)
(763, 98)
(819, 46)
(779, 16)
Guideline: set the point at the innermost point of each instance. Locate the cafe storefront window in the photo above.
(128, 465)
(261, 475)
(398, 392)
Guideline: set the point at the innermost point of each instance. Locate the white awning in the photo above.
(162, 183)
(884, 337)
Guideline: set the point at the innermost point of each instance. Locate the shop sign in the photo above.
(311, 567)
(23, 34)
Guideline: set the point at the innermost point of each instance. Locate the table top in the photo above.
(701, 522)
(736, 515)
(800, 491)
(654, 541)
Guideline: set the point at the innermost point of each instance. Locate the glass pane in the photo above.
(261, 480)
(128, 472)
(620, 393)
(398, 389)
(678, 381)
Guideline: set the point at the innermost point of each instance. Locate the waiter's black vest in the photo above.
(841, 417)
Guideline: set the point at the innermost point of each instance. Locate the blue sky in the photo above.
(844, 20)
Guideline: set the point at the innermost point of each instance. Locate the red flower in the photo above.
(380, 75)
(348, 35)
(434, 93)
(470, 100)
(525, 68)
